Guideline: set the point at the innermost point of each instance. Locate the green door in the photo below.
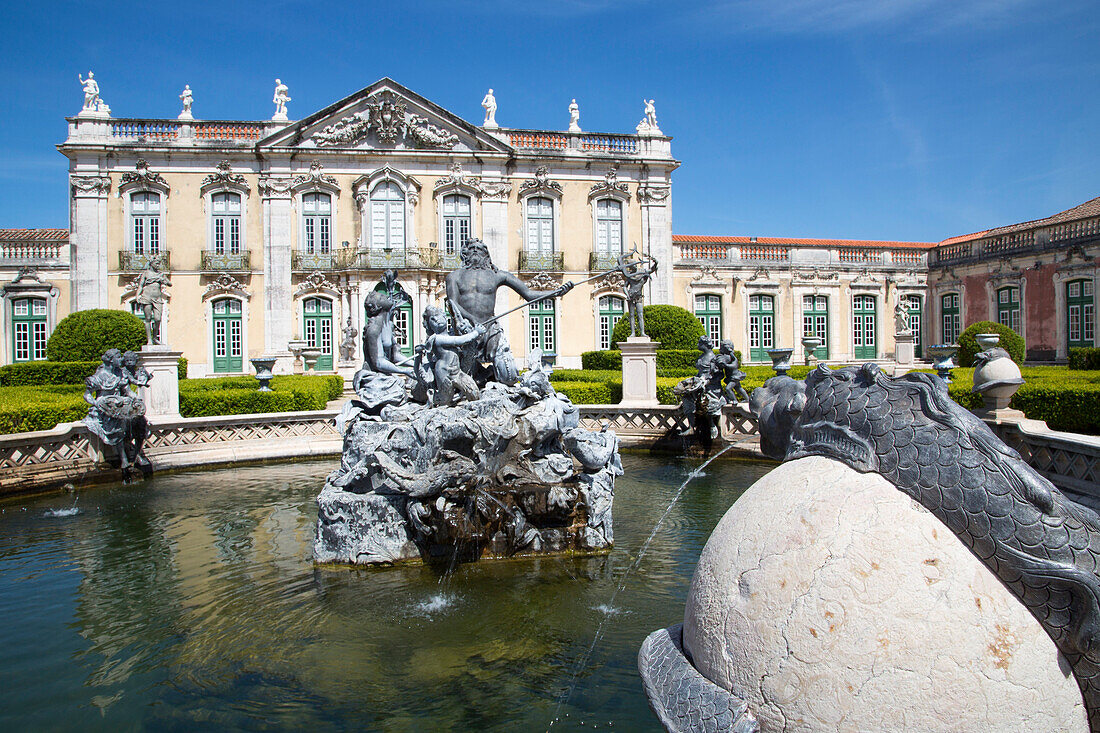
(761, 326)
(28, 325)
(863, 327)
(1008, 307)
(317, 322)
(815, 322)
(227, 336)
(1080, 314)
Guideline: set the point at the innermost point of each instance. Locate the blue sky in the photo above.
(877, 119)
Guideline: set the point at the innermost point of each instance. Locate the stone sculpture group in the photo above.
(454, 453)
(116, 416)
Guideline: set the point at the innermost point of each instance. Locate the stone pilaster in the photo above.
(656, 203)
(278, 300)
(494, 229)
(88, 240)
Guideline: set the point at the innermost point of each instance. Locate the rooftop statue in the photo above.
(152, 292)
(116, 415)
(280, 99)
(471, 294)
(574, 117)
(489, 102)
(91, 92)
(187, 98)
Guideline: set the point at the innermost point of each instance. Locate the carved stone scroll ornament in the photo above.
(541, 183)
(275, 186)
(316, 281)
(315, 175)
(94, 185)
(142, 175)
(458, 178)
(225, 177)
(648, 194)
(610, 185)
(1043, 547)
(543, 281)
(226, 284)
(388, 117)
(495, 190)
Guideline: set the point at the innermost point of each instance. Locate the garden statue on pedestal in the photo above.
(116, 415)
(152, 291)
(347, 345)
(637, 274)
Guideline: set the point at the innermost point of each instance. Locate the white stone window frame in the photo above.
(833, 292)
(208, 298)
(596, 294)
(555, 196)
(593, 200)
(457, 188)
(408, 185)
(298, 194)
(339, 317)
(762, 289)
(996, 283)
(207, 192)
(126, 192)
(1059, 280)
(18, 291)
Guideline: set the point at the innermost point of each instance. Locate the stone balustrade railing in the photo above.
(132, 129)
(859, 254)
(1085, 231)
(30, 253)
(1068, 460)
(246, 131)
(586, 142)
(724, 253)
(174, 130)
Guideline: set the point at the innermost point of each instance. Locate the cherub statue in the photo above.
(115, 414)
(440, 350)
(731, 370)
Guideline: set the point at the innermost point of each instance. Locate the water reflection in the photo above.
(191, 601)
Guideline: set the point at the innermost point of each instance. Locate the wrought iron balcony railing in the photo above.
(226, 262)
(302, 260)
(136, 261)
(600, 261)
(544, 261)
(437, 259)
(378, 259)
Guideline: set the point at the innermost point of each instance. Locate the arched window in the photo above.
(761, 326)
(708, 309)
(1080, 314)
(225, 222)
(609, 227)
(456, 223)
(226, 331)
(1008, 307)
(611, 310)
(540, 225)
(28, 321)
(317, 223)
(145, 226)
(387, 216)
(863, 326)
(317, 328)
(952, 319)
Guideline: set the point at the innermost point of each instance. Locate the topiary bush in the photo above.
(1084, 359)
(85, 335)
(670, 325)
(1011, 342)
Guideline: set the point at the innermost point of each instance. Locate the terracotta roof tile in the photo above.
(34, 235)
(1086, 210)
(791, 241)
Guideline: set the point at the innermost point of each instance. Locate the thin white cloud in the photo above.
(837, 16)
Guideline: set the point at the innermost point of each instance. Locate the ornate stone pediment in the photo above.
(142, 178)
(708, 275)
(316, 282)
(458, 179)
(315, 178)
(541, 183)
(225, 284)
(543, 281)
(610, 186)
(224, 178)
(388, 118)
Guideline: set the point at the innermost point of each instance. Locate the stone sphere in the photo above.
(831, 601)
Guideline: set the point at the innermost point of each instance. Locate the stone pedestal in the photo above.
(639, 372)
(162, 396)
(904, 349)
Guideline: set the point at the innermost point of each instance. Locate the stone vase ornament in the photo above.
(263, 366)
(295, 346)
(996, 378)
(310, 355)
(988, 340)
(781, 360)
(809, 345)
(942, 360)
(902, 570)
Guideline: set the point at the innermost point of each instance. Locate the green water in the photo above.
(190, 602)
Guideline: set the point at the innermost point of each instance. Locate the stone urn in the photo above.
(295, 347)
(809, 345)
(781, 360)
(988, 340)
(996, 377)
(263, 366)
(310, 355)
(942, 356)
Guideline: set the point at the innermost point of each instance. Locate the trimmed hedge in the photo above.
(1084, 358)
(23, 408)
(240, 395)
(672, 326)
(672, 360)
(85, 335)
(600, 360)
(181, 368)
(591, 393)
(1011, 342)
(47, 372)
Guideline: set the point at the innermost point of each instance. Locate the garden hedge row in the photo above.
(670, 325)
(671, 360)
(58, 372)
(1084, 359)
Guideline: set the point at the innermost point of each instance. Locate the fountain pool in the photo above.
(191, 601)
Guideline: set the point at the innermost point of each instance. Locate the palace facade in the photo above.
(273, 232)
